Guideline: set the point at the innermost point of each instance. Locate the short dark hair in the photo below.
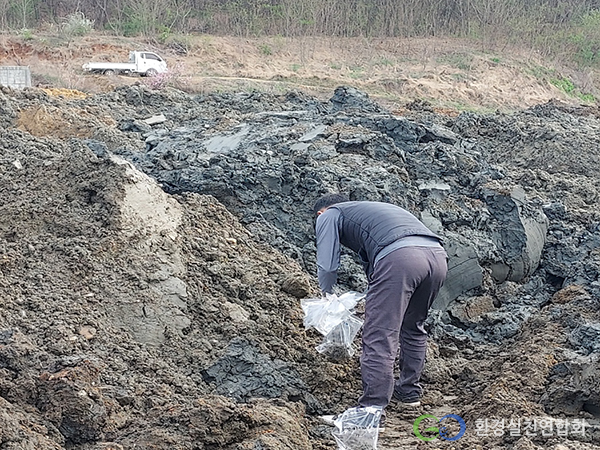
(329, 199)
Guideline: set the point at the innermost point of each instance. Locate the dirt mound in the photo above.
(151, 270)
(117, 299)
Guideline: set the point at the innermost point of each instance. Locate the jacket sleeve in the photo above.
(328, 249)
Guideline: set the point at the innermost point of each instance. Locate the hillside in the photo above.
(454, 74)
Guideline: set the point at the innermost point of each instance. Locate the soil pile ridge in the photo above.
(155, 245)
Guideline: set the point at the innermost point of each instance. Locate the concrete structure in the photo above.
(16, 77)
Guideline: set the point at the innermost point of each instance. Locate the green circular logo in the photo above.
(435, 430)
(439, 432)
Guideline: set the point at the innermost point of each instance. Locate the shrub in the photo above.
(569, 88)
(564, 84)
(585, 37)
(265, 49)
(76, 24)
(26, 34)
(171, 78)
(164, 34)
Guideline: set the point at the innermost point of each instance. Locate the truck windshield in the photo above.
(152, 56)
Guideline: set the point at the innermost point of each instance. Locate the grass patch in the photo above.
(539, 72)
(384, 62)
(462, 61)
(460, 77)
(568, 87)
(463, 107)
(26, 34)
(356, 73)
(564, 84)
(587, 98)
(265, 49)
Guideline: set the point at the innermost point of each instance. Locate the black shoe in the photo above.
(412, 402)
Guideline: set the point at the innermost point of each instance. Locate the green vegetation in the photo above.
(459, 77)
(164, 33)
(462, 61)
(473, 19)
(564, 84)
(356, 73)
(266, 49)
(384, 62)
(540, 72)
(588, 98)
(127, 27)
(26, 34)
(569, 88)
(586, 39)
(76, 24)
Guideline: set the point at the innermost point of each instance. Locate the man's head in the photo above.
(327, 200)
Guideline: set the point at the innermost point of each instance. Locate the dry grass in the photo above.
(448, 73)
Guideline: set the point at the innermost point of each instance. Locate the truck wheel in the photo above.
(109, 72)
(151, 72)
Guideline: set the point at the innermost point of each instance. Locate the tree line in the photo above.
(539, 22)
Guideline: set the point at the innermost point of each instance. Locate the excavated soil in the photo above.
(151, 271)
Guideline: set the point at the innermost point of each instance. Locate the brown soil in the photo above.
(452, 74)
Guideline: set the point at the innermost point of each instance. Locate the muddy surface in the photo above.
(155, 245)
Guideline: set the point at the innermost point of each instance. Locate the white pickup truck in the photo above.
(144, 63)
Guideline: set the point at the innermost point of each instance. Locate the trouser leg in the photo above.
(395, 279)
(413, 337)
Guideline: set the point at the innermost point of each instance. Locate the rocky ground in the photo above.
(155, 245)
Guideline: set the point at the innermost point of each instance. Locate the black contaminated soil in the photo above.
(154, 248)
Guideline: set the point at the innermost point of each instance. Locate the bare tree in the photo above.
(23, 13)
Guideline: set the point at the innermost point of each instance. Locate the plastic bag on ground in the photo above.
(358, 428)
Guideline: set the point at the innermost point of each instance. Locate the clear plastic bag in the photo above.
(338, 342)
(332, 317)
(358, 428)
(350, 299)
(324, 314)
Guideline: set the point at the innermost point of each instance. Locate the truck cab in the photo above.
(147, 63)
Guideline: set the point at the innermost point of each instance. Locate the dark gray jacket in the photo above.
(364, 227)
